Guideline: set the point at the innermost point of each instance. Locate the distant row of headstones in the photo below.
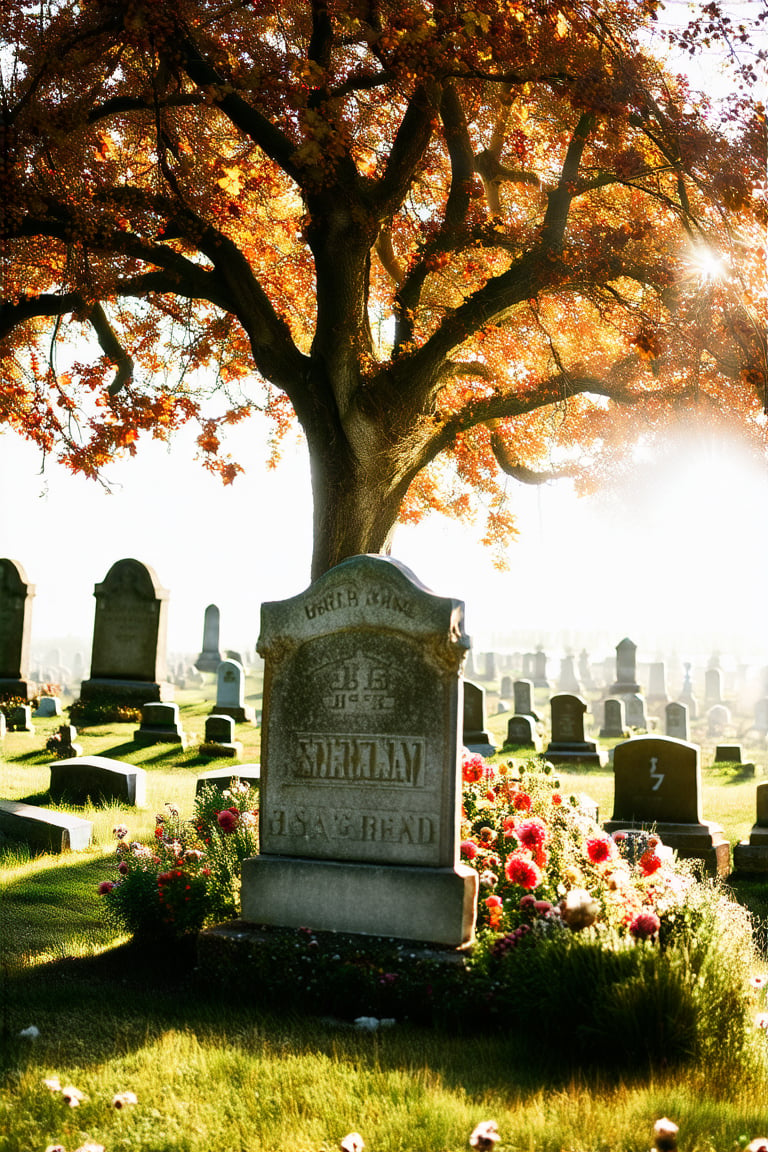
(360, 796)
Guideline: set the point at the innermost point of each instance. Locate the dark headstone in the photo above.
(474, 735)
(98, 778)
(16, 596)
(626, 669)
(128, 659)
(42, 829)
(568, 744)
(657, 784)
(521, 733)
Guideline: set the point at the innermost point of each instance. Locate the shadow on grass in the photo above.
(40, 756)
(41, 799)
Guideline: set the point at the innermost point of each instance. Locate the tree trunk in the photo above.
(355, 510)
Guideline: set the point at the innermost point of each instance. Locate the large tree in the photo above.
(458, 239)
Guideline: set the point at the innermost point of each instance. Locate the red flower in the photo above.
(159, 831)
(228, 820)
(509, 825)
(649, 863)
(532, 834)
(493, 902)
(469, 849)
(105, 886)
(472, 769)
(599, 849)
(644, 926)
(522, 871)
(122, 867)
(556, 798)
(522, 802)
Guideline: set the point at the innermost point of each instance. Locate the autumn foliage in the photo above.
(459, 241)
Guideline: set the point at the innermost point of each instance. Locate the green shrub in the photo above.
(103, 710)
(190, 874)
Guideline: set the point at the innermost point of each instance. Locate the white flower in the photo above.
(665, 1134)
(759, 1144)
(90, 1147)
(759, 981)
(124, 1098)
(30, 1033)
(579, 908)
(53, 1083)
(761, 1021)
(352, 1143)
(488, 879)
(72, 1095)
(485, 1135)
(55, 1148)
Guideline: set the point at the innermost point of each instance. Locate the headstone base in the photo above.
(620, 689)
(479, 744)
(560, 752)
(245, 715)
(136, 692)
(750, 855)
(703, 841)
(17, 689)
(613, 734)
(208, 661)
(146, 736)
(213, 750)
(434, 905)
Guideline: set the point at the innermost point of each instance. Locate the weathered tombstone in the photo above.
(657, 684)
(634, 707)
(222, 777)
(718, 719)
(220, 738)
(359, 813)
(529, 660)
(614, 720)
(160, 724)
(522, 691)
(16, 596)
(713, 686)
(210, 657)
(521, 733)
(568, 744)
(657, 784)
(761, 715)
(128, 658)
(676, 720)
(686, 694)
(20, 719)
(626, 670)
(474, 735)
(43, 829)
(469, 666)
(230, 693)
(98, 778)
(48, 706)
(230, 654)
(568, 681)
(752, 855)
(506, 686)
(540, 669)
(78, 665)
(490, 666)
(502, 706)
(3, 727)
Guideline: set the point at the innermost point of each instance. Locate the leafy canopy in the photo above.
(459, 240)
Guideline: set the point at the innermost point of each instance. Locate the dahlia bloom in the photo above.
(532, 834)
(468, 848)
(522, 871)
(599, 849)
(228, 820)
(644, 926)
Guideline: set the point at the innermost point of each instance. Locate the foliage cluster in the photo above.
(582, 940)
(190, 874)
(103, 710)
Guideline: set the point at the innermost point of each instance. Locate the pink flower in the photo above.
(123, 867)
(532, 834)
(493, 902)
(527, 902)
(469, 849)
(599, 849)
(522, 802)
(228, 820)
(644, 926)
(522, 871)
(105, 886)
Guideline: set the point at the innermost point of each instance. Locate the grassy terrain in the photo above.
(212, 1073)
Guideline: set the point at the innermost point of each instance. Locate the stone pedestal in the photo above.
(752, 855)
(427, 904)
(133, 692)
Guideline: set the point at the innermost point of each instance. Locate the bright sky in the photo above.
(677, 558)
